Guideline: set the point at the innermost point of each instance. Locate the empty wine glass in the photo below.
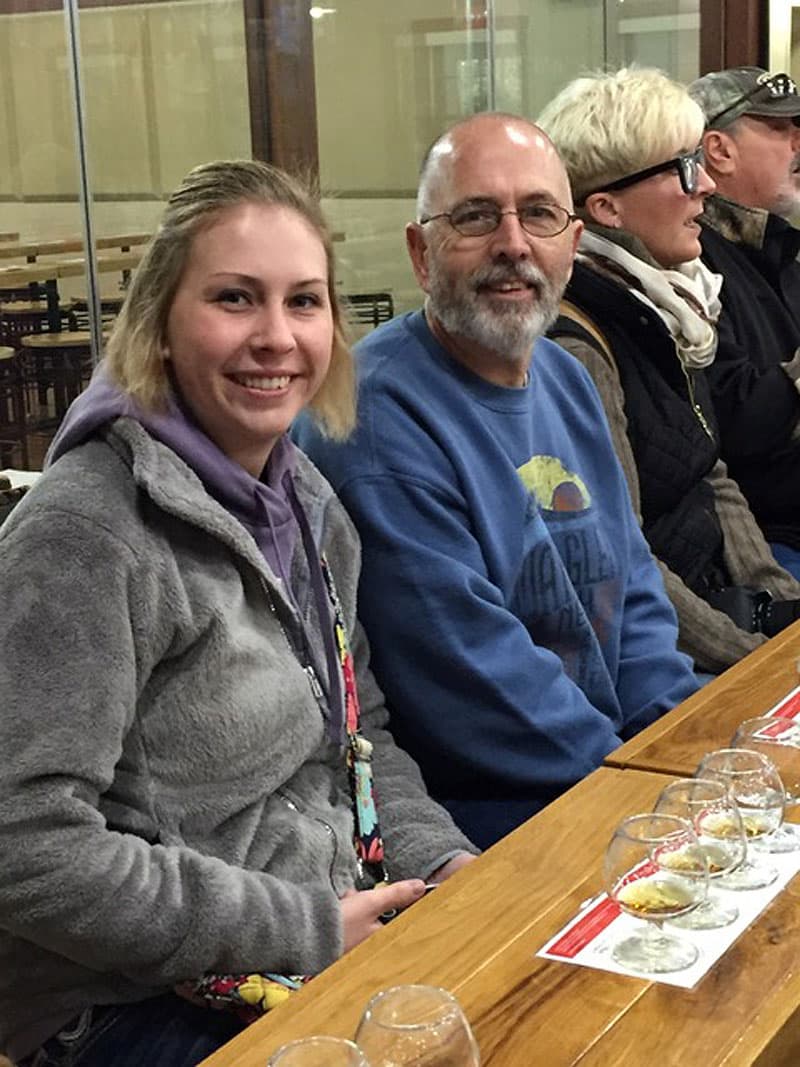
(318, 1052)
(416, 1024)
(714, 816)
(655, 869)
(779, 740)
(758, 791)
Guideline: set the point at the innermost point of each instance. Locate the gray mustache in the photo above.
(521, 272)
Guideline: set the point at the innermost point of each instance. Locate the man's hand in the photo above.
(361, 910)
(453, 865)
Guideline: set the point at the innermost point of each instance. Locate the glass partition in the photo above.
(165, 88)
(390, 78)
(40, 228)
(656, 33)
(358, 86)
(784, 37)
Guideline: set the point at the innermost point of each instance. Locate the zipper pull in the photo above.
(316, 688)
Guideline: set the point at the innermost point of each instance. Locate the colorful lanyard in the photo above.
(367, 833)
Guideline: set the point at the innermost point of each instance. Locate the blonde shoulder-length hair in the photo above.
(134, 354)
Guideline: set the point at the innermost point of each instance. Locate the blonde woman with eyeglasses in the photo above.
(640, 313)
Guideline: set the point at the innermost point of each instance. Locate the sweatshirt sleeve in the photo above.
(419, 834)
(653, 676)
(80, 629)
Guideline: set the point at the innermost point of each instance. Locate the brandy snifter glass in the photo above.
(655, 869)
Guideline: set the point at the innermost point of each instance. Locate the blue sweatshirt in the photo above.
(518, 623)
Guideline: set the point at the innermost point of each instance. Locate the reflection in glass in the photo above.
(779, 740)
(318, 1052)
(758, 791)
(714, 816)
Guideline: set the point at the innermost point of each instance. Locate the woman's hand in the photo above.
(361, 910)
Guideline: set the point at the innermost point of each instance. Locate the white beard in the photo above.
(465, 309)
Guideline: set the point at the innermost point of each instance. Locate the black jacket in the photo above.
(673, 449)
(756, 402)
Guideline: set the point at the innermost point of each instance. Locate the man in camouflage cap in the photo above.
(752, 151)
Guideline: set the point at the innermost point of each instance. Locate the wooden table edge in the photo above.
(628, 755)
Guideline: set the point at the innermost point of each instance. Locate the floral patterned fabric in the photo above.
(248, 995)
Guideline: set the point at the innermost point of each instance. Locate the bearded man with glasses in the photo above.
(752, 151)
(518, 624)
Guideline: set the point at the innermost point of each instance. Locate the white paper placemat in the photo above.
(788, 707)
(587, 939)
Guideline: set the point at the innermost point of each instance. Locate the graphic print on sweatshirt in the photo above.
(567, 589)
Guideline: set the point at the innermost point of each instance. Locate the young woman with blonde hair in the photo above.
(186, 785)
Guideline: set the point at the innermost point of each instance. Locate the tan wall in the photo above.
(165, 88)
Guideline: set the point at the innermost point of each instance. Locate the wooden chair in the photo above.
(13, 420)
(368, 309)
(21, 292)
(110, 307)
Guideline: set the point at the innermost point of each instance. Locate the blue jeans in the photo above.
(789, 558)
(160, 1032)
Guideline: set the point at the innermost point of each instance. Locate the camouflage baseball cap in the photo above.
(725, 95)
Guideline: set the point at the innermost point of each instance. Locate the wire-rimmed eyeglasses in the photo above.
(539, 219)
(775, 86)
(687, 165)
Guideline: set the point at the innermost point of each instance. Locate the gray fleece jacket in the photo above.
(169, 802)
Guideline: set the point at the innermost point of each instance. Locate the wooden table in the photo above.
(477, 935)
(678, 741)
(33, 249)
(47, 274)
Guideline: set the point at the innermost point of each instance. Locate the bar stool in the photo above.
(13, 422)
(21, 317)
(58, 362)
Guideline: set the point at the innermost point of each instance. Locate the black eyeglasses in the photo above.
(774, 86)
(472, 219)
(687, 165)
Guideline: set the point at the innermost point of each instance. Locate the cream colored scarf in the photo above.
(686, 298)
